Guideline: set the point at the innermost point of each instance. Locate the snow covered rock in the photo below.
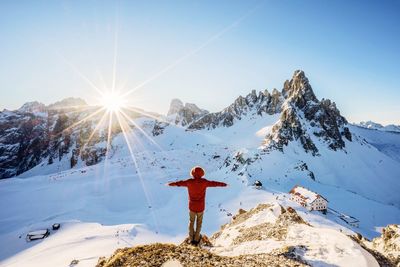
(388, 244)
(28, 139)
(253, 104)
(23, 141)
(33, 107)
(370, 125)
(271, 228)
(184, 114)
(305, 118)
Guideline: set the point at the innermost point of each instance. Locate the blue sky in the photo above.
(205, 52)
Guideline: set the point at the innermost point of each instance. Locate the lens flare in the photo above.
(112, 101)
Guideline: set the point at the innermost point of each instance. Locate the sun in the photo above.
(113, 101)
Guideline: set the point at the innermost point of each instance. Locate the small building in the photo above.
(308, 199)
(257, 184)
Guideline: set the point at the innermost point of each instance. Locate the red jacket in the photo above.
(197, 191)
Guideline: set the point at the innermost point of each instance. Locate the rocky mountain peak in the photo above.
(305, 118)
(184, 114)
(175, 106)
(32, 107)
(299, 90)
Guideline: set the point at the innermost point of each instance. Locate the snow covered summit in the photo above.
(184, 115)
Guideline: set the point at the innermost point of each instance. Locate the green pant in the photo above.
(198, 217)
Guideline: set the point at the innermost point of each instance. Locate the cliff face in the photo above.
(389, 243)
(48, 136)
(24, 138)
(304, 118)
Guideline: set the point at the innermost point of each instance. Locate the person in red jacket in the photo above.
(197, 193)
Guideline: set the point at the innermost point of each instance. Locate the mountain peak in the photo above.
(175, 106)
(185, 113)
(32, 107)
(377, 126)
(299, 90)
(301, 112)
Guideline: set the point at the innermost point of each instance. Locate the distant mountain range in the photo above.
(380, 127)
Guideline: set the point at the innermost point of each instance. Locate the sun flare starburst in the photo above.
(112, 101)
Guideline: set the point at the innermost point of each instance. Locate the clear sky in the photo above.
(204, 52)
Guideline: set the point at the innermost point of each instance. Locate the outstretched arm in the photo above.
(178, 183)
(215, 184)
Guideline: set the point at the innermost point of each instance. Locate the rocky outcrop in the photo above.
(184, 114)
(385, 248)
(186, 255)
(24, 138)
(289, 128)
(252, 104)
(304, 118)
(389, 243)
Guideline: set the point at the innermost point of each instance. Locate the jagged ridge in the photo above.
(35, 132)
(263, 103)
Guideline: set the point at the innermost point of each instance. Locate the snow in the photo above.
(85, 242)
(324, 247)
(121, 202)
(316, 244)
(386, 142)
(376, 126)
